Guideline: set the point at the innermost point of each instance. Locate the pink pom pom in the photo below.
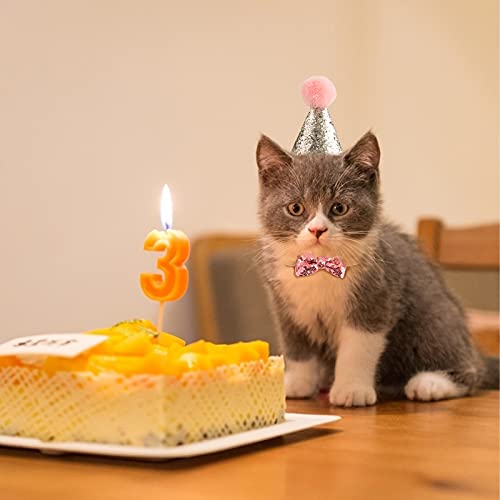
(318, 92)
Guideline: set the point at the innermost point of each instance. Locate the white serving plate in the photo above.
(294, 422)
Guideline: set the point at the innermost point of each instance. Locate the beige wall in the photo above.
(103, 102)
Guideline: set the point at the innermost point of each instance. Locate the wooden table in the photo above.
(395, 450)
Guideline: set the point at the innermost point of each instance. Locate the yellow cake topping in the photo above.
(136, 347)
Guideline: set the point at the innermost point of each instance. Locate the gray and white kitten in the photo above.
(391, 322)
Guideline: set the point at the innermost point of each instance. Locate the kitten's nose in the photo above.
(317, 230)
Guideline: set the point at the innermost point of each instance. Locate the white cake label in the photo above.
(64, 345)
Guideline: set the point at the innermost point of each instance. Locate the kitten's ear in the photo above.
(271, 159)
(365, 153)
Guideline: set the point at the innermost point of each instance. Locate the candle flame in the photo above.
(166, 208)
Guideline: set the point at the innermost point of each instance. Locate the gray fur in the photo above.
(395, 288)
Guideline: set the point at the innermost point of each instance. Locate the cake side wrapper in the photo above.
(141, 410)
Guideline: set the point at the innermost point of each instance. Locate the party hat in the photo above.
(318, 134)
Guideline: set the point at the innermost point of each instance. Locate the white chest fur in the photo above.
(316, 302)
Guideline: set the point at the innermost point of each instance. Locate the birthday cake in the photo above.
(142, 387)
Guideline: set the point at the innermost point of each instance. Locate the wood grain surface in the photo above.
(395, 450)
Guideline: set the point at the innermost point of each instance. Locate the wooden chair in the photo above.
(468, 248)
(230, 299)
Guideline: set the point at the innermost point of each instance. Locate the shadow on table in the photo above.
(177, 463)
(388, 405)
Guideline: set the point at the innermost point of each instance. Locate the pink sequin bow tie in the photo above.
(307, 264)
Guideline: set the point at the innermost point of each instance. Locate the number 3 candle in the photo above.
(173, 283)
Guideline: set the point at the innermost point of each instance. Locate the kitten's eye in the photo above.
(339, 209)
(295, 209)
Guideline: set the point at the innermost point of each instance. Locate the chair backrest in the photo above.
(460, 248)
(473, 249)
(230, 297)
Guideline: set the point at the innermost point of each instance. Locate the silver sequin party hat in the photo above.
(318, 134)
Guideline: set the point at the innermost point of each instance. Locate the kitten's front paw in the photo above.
(299, 385)
(352, 395)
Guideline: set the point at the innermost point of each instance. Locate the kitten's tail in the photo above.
(491, 378)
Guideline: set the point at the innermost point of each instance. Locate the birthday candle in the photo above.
(173, 282)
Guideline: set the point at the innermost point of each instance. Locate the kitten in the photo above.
(391, 322)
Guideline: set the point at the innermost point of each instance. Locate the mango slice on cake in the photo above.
(136, 347)
(169, 340)
(128, 365)
(9, 361)
(53, 364)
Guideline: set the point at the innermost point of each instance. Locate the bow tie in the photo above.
(307, 264)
